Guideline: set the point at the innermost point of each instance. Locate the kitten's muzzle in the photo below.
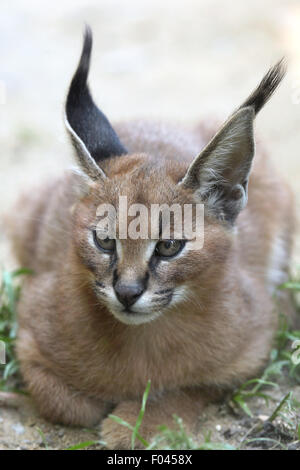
(128, 293)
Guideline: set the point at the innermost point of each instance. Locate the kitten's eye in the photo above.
(108, 245)
(167, 248)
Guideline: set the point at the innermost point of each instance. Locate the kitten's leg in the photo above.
(186, 404)
(60, 404)
(10, 400)
(55, 399)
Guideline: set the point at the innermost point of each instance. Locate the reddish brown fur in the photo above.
(79, 361)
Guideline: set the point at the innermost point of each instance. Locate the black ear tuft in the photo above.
(266, 88)
(87, 121)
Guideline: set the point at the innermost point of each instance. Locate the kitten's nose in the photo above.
(128, 293)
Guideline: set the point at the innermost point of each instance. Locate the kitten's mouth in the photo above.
(133, 317)
(144, 310)
(130, 315)
(128, 311)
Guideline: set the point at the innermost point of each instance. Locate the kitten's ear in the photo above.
(219, 175)
(91, 134)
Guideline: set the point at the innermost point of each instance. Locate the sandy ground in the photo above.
(181, 61)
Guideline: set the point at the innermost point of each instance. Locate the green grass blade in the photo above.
(241, 402)
(84, 445)
(141, 415)
(127, 425)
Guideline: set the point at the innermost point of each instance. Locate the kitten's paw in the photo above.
(158, 413)
(60, 404)
(12, 400)
(115, 435)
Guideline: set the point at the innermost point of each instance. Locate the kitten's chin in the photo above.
(134, 318)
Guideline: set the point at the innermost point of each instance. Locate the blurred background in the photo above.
(183, 61)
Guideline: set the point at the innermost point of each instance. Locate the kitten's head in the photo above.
(141, 261)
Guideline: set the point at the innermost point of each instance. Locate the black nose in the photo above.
(128, 293)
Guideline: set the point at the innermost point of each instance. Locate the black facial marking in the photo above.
(100, 284)
(115, 278)
(164, 300)
(153, 262)
(164, 291)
